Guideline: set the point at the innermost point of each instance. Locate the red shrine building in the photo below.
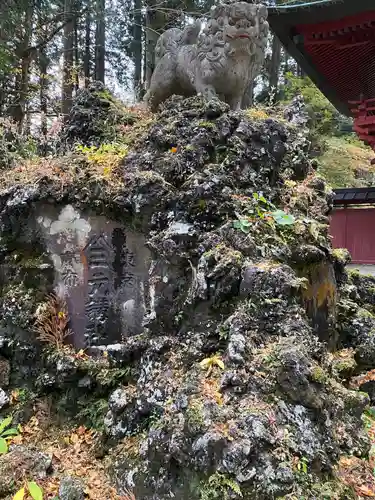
(334, 43)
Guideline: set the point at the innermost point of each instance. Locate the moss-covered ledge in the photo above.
(228, 390)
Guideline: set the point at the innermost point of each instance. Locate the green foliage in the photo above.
(206, 124)
(6, 432)
(33, 490)
(324, 117)
(223, 332)
(211, 362)
(99, 154)
(262, 205)
(344, 160)
(282, 218)
(368, 417)
(243, 225)
(24, 395)
(302, 465)
(333, 490)
(14, 147)
(92, 413)
(195, 416)
(111, 377)
(319, 375)
(220, 487)
(346, 163)
(263, 209)
(107, 156)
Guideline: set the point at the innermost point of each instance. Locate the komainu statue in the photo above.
(220, 62)
(174, 38)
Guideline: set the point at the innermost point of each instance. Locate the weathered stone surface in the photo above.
(228, 55)
(71, 488)
(101, 269)
(4, 399)
(226, 286)
(94, 115)
(320, 297)
(4, 371)
(21, 462)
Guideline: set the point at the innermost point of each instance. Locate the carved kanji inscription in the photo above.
(101, 270)
(100, 288)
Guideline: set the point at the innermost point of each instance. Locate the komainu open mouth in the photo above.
(241, 35)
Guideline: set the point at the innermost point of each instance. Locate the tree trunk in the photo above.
(155, 23)
(144, 56)
(43, 84)
(248, 98)
(27, 124)
(77, 9)
(300, 71)
(19, 107)
(87, 58)
(137, 50)
(42, 63)
(286, 63)
(275, 65)
(100, 41)
(67, 85)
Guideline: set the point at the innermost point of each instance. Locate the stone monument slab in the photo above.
(101, 270)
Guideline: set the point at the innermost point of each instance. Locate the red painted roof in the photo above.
(344, 52)
(334, 43)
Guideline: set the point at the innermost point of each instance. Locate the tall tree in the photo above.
(274, 69)
(155, 24)
(68, 41)
(100, 41)
(43, 63)
(26, 58)
(77, 38)
(87, 50)
(137, 46)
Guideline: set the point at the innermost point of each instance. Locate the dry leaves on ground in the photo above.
(356, 382)
(73, 453)
(358, 474)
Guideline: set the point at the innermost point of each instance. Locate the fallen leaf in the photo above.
(35, 491)
(206, 362)
(14, 396)
(364, 490)
(20, 494)
(74, 438)
(219, 363)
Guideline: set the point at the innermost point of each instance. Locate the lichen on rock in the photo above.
(234, 388)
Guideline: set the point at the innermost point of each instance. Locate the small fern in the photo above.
(233, 485)
(217, 487)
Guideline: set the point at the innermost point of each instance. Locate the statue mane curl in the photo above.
(220, 62)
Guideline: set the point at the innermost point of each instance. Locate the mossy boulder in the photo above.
(96, 117)
(20, 462)
(228, 390)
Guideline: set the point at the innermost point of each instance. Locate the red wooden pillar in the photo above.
(364, 121)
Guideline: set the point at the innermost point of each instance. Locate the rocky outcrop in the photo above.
(71, 488)
(20, 462)
(230, 390)
(94, 119)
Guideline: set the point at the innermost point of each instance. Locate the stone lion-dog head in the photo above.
(233, 29)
